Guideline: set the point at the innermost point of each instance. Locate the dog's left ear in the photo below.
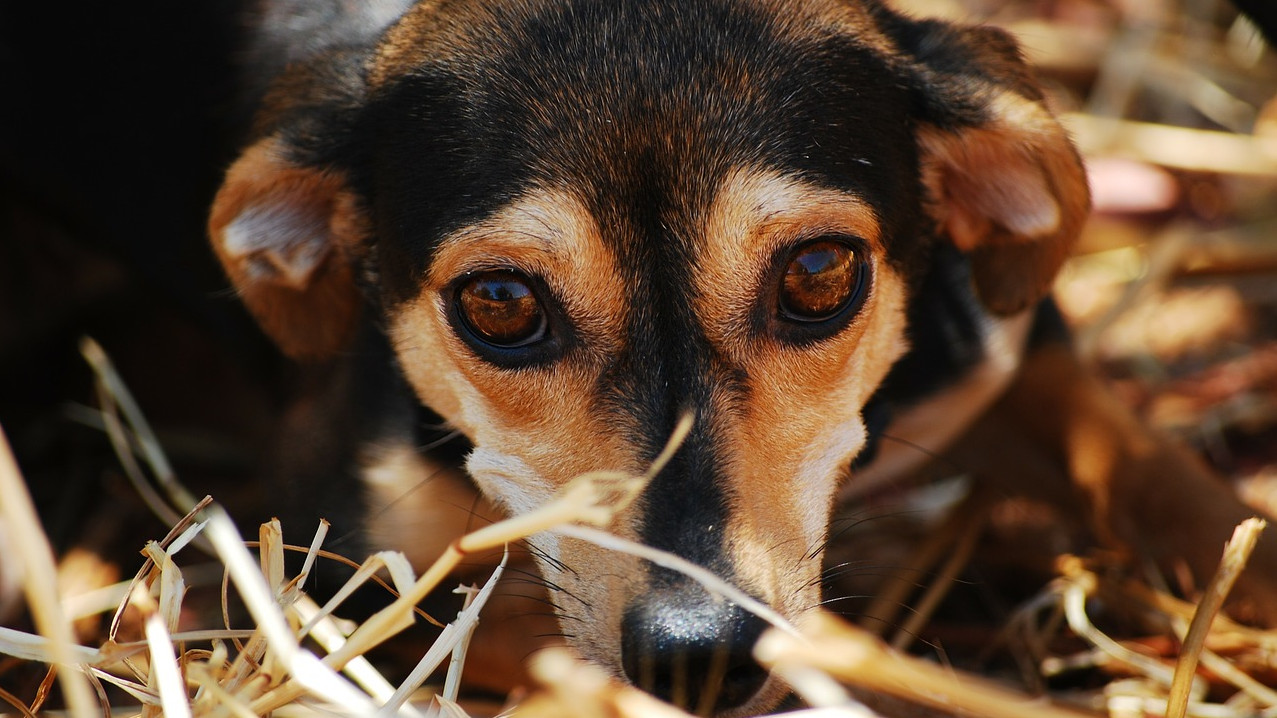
(286, 225)
(1004, 182)
(288, 235)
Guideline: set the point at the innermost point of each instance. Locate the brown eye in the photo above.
(822, 278)
(501, 309)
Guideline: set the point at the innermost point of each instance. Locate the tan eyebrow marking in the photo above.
(535, 228)
(763, 206)
(755, 214)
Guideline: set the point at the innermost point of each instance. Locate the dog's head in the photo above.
(578, 220)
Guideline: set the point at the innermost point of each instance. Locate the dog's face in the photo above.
(578, 220)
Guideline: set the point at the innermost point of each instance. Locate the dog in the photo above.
(557, 226)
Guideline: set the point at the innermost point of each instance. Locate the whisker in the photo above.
(474, 512)
(852, 522)
(929, 453)
(783, 543)
(563, 591)
(528, 574)
(877, 571)
(556, 615)
(554, 634)
(555, 563)
(449, 435)
(526, 582)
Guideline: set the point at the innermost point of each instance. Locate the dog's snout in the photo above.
(692, 650)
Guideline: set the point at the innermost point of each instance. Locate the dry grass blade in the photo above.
(165, 671)
(457, 664)
(857, 657)
(115, 388)
(40, 581)
(455, 635)
(1236, 554)
(212, 693)
(309, 673)
(27, 647)
(17, 704)
(893, 595)
(401, 576)
(1178, 147)
(330, 637)
(1148, 682)
(165, 676)
(251, 584)
(46, 687)
(269, 671)
(822, 691)
(575, 689)
(183, 528)
(592, 498)
(1079, 584)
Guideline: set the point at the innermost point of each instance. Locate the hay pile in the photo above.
(299, 659)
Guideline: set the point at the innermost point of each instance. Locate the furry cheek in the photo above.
(517, 486)
(419, 334)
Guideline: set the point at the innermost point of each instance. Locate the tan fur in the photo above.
(754, 214)
(800, 429)
(403, 48)
(418, 506)
(1012, 193)
(800, 425)
(550, 236)
(294, 267)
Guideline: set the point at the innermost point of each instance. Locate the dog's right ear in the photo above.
(289, 237)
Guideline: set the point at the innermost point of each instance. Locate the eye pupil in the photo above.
(821, 279)
(501, 309)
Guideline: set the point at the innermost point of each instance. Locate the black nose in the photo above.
(692, 650)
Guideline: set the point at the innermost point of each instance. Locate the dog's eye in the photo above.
(500, 308)
(820, 280)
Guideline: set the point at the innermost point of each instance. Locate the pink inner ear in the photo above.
(280, 242)
(991, 184)
(1010, 192)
